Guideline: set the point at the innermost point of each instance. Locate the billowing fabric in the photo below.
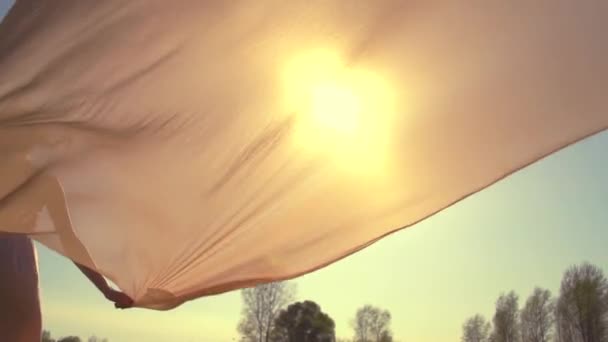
(188, 148)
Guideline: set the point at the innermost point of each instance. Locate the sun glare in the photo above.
(343, 113)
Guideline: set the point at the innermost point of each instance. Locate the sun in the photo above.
(336, 107)
(344, 113)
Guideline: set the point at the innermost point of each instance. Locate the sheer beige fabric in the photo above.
(188, 148)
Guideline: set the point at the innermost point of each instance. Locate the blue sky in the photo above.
(519, 233)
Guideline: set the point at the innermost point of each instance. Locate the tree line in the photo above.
(46, 337)
(270, 314)
(578, 314)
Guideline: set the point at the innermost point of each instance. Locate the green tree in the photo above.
(70, 339)
(303, 322)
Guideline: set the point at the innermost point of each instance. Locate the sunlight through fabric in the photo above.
(189, 148)
(342, 113)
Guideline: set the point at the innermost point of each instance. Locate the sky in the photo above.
(520, 233)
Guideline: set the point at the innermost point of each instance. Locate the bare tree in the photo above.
(506, 327)
(261, 306)
(46, 336)
(372, 324)
(476, 329)
(581, 307)
(97, 339)
(537, 316)
(564, 329)
(606, 316)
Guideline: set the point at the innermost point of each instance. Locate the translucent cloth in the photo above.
(188, 148)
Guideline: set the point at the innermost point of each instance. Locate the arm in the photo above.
(120, 299)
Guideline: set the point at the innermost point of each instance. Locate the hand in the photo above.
(121, 300)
